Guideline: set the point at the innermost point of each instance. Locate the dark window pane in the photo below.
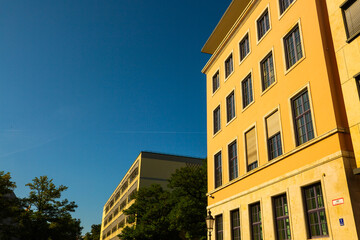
(233, 164)
(284, 4)
(216, 119)
(302, 118)
(230, 106)
(255, 222)
(244, 47)
(229, 66)
(218, 170)
(267, 72)
(315, 209)
(263, 24)
(357, 80)
(252, 166)
(274, 146)
(351, 13)
(247, 95)
(235, 225)
(293, 48)
(219, 227)
(216, 81)
(282, 223)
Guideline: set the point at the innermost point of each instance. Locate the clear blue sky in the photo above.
(88, 84)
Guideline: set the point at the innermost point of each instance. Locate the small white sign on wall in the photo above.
(338, 201)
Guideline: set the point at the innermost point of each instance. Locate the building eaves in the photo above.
(170, 157)
(226, 22)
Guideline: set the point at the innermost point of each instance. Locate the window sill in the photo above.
(233, 119)
(350, 39)
(215, 92)
(242, 60)
(226, 78)
(268, 88)
(275, 160)
(258, 41)
(243, 110)
(286, 10)
(293, 66)
(215, 134)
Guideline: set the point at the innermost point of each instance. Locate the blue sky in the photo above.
(86, 85)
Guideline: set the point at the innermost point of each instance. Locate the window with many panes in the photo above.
(230, 106)
(263, 24)
(235, 225)
(315, 211)
(255, 222)
(351, 16)
(219, 227)
(284, 4)
(281, 214)
(247, 91)
(233, 163)
(267, 71)
(302, 118)
(292, 46)
(229, 66)
(251, 149)
(218, 170)
(216, 114)
(244, 47)
(216, 81)
(273, 135)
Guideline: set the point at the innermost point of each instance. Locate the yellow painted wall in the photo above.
(347, 56)
(330, 152)
(332, 176)
(278, 168)
(311, 72)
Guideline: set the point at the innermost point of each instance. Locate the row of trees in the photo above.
(177, 213)
(40, 216)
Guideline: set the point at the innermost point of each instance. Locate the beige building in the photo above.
(280, 109)
(148, 168)
(344, 18)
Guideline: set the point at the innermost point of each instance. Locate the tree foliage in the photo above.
(40, 216)
(177, 213)
(9, 207)
(189, 187)
(151, 208)
(94, 234)
(48, 217)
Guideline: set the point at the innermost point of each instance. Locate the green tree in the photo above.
(10, 207)
(47, 217)
(150, 211)
(188, 190)
(176, 214)
(94, 234)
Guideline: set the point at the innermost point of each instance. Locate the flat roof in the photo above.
(170, 157)
(225, 24)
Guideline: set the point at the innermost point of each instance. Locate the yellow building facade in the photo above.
(148, 168)
(280, 155)
(344, 18)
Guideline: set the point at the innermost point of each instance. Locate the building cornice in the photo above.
(218, 40)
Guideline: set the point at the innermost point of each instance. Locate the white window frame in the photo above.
(256, 24)
(262, 92)
(298, 22)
